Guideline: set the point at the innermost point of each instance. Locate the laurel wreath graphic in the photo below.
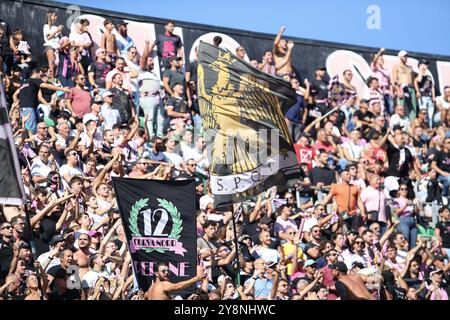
(174, 213)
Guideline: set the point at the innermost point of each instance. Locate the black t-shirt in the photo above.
(321, 88)
(12, 296)
(178, 104)
(313, 112)
(174, 77)
(100, 70)
(425, 86)
(4, 42)
(72, 294)
(443, 160)
(251, 228)
(418, 143)
(363, 116)
(324, 175)
(123, 103)
(192, 68)
(48, 229)
(444, 228)
(6, 256)
(167, 46)
(395, 169)
(29, 93)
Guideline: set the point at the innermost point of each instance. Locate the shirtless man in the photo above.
(403, 82)
(349, 87)
(282, 55)
(162, 287)
(349, 286)
(108, 41)
(81, 256)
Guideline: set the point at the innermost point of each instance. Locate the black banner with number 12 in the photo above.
(159, 222)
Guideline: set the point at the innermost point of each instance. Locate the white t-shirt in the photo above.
(310, 223)
(440, 100)
(205, 200)
(43, 258)
(82, 38)
(404, 122)
(133, 66)
(54, 42)
(111, 116)
(38, 168)
(283, 225)
(354, 149)
(90, 278)
(269, 255)
(86, 141)
(61, 141)
(174, 158)
(65, 169)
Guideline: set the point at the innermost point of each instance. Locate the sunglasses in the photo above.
(72, 154)
(164, 270)
(7, 227)
(359, 242)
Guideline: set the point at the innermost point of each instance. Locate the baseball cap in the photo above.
(99, 51)
(402, 53)
(358, 265)
(55, 239)
(107, 93)
(93, 233)
(243, 237)
(98, 99)
(339, 266)
(310, 262)
(172, 58)
(435, 272)
(120, 22)
(424, 61)
(24, 245)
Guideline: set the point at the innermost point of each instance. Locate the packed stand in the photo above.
(367, 220)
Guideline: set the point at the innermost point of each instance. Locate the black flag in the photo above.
(248, 142)
(11, 185)
(159, 222)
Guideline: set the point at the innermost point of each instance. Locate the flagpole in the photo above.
(236, 244)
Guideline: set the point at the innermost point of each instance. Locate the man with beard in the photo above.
(82, 255)
(123, 41)
(155, 155)
(121, 98)
(161, 287)
(349, 286)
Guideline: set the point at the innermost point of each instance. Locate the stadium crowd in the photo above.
(369, 218)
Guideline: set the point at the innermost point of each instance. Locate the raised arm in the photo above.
(378, 55)
(99, 178)
(278, 38)
(388, 233)
(108, 236)
(256, 210)
(169, 287)
(47, 209)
